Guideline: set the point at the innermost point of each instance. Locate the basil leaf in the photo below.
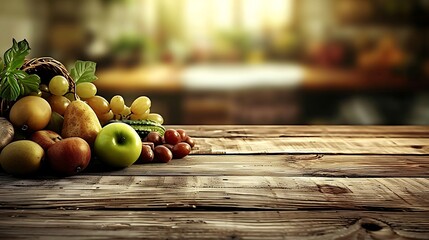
(83, 71)
(19, 74)
(15, 46)
(29, 83)
(14, 82)
(15, 56)
(10, 89)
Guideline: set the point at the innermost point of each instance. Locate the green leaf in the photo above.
(14, 57)
(14, 45)
(10, 90)
(14, 82)
(18, 74)
(29, 83)
(1, 64)
(83, 71)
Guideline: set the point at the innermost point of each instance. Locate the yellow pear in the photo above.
(80, 121)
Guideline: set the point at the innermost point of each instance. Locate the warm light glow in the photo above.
(227, 77)
(196, 18)
(252, 15)
(205, 17)
(278, 12)
(222, 14)
(257, 14)
(149, 16)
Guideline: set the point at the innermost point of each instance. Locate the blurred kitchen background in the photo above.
(243, 61)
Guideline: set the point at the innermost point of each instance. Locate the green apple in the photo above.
(118, 145)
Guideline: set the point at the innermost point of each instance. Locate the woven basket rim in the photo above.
(35, 63)
(49, 64)
(42, 64)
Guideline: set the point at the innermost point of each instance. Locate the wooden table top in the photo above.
(241, 182)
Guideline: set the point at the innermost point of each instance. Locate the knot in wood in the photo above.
(330, 189)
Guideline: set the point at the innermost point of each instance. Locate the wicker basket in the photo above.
(46, 68)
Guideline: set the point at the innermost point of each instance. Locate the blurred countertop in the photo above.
(159, 78)
(168, 78)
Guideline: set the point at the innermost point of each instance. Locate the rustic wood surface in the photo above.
(240, 182)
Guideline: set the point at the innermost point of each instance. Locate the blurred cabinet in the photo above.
(321, 96)
(250, 106)
(394, 37)
(207, 108)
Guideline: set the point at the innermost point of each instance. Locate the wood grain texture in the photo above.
(83, 224)
(241, 182)
(286, 165)
(340, 225)
(317, 145)
(272, 131)
(228, 192)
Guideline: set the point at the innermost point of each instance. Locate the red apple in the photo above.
(69, 156)
(45, 138)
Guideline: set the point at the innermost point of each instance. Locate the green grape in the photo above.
(117, 104)
(117, 116)
(58, 104)
(99, 104)
(46, 95)
(45, 91)
(86, 90)
(143, 116)
(140, 105)
(44, 88)
(70, 96)
(104, 118)
(125, 114)
(58, 85)
(36, 93)
(155, 117)
(134, 117)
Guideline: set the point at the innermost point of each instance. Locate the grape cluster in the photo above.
(116, 108)
(58, 96)
(56, 93)
(175, 144)
(138, 110)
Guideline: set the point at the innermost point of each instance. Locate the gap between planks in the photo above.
(347, 131)
(286, 165)
(312, 145)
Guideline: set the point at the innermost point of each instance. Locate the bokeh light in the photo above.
(243, 61)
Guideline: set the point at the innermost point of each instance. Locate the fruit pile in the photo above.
(58, 96)
(62, 119)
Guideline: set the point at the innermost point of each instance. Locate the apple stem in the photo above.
(122, 140)
(56, 139)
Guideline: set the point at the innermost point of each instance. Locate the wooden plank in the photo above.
(317, 145)
(270, 131)
(230, 192)
(81, 224)
(313, 165)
